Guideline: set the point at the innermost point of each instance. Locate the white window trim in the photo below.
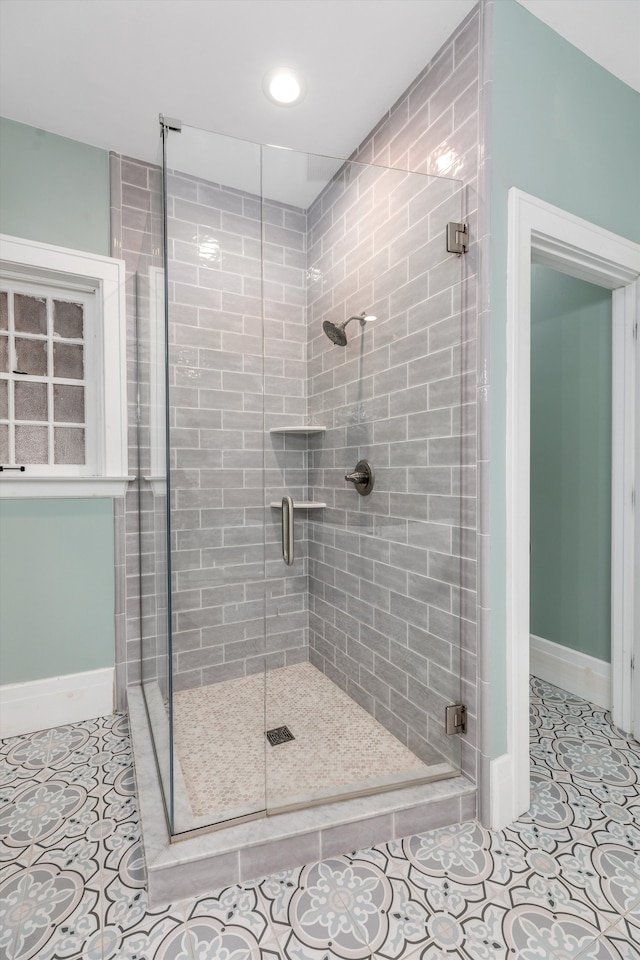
(107, 275)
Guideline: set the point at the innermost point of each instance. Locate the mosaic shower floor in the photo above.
(229, 768)
(562, 883)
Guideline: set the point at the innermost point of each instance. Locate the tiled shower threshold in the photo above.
(190, 865)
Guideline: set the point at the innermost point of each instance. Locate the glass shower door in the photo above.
(216, 434)
(363, 309)
(314, 330)
(152, 491)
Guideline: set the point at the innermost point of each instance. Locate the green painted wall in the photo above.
(56, 587)
(53, 189)
(565, 130)
(571, 462)
(56, 556)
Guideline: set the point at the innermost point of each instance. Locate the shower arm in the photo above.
(357, 316)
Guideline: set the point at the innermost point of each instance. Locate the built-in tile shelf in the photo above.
(300, 505)
(308, 429)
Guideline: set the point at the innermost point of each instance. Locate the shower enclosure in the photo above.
(301, 635)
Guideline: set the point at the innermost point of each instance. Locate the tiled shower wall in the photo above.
(432, 129)
(225, 395)
(223, 456)
(389, 572)
(393, 575)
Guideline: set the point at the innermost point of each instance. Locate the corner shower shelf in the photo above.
(300, 505)
(308, 429)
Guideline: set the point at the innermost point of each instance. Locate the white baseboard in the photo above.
(579, 673)
(502, 803)
(39, 704)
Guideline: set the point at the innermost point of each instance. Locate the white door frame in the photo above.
(547, 235)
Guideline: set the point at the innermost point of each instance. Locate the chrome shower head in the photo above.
(336, 331)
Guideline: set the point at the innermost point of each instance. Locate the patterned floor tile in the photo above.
(466, 854)
(618, 943)
(143, 935)
(30, 751)
(234, 918)
(79, 854)
(562, 882)
(165, 937)
(312, 910)
(439, 883)
(45, 906)
(558, 813)
(46, 811)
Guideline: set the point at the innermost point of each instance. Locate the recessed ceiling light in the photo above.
(283, 87)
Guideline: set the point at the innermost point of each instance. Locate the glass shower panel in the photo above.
(361, 668)
(216, 428)
(152, 476)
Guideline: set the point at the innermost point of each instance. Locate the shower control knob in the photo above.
(362, 477)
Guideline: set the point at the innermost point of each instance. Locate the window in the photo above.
(63, 429)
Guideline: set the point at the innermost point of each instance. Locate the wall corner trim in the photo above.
(39, 704)
(577, 672)
(503, 801)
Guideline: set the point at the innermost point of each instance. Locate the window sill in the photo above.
(24, 487)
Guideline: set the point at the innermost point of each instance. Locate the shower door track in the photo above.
(441, 771)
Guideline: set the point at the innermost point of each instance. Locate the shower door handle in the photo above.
(287, 530)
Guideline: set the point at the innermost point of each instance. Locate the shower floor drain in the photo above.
(279, 735)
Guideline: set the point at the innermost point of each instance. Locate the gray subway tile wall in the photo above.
(393, 610)
(382, 595)
(233, 375)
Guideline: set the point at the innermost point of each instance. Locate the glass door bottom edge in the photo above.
(204, 824)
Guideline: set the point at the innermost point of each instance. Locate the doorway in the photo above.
(570, 501)
(542, 234)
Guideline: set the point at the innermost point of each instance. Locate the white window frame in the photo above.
(106, 276)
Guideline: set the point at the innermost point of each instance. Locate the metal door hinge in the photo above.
(170, 123)
(457, 237)
(455, 718)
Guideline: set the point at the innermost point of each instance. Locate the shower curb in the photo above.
(204, 862)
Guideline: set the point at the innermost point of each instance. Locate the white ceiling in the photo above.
(101, 71)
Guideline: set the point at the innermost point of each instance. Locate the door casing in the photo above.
(542, 233)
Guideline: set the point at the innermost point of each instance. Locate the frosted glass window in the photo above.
(32, 444)
(68, 320)
(68, 363)
(42, 349)
(68, 445)
(63, 396)
(30, 400)
(31, 357)
(68, 403)
(30, 314)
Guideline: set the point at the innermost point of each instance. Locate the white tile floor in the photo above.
(338, 749)
(563, 883)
